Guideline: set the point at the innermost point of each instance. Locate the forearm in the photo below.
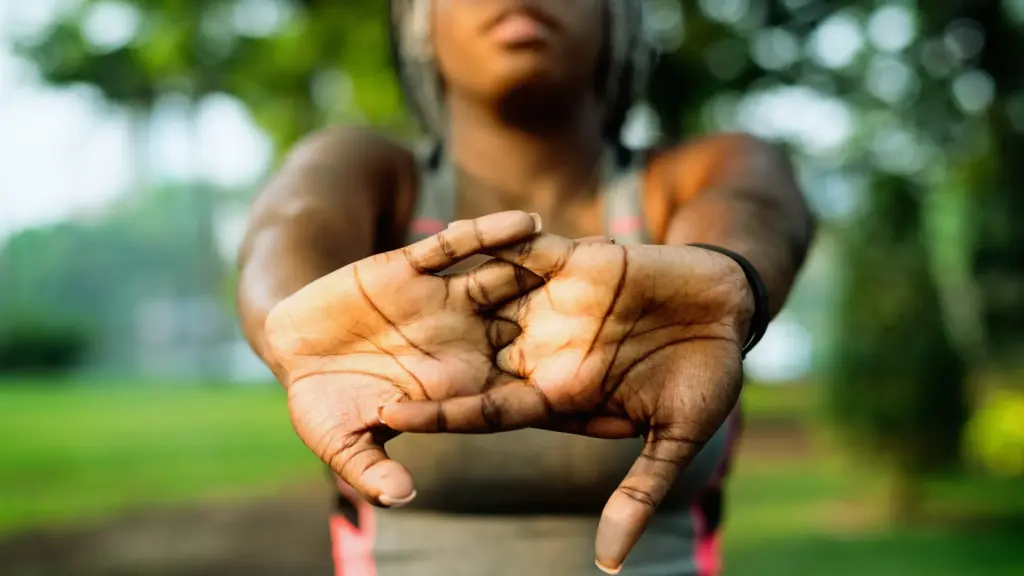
(285, 256)
(749, 202)
(323, 211)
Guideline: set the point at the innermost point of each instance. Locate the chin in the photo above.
(529, 76)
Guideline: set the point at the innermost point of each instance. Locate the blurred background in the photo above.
(139, 435)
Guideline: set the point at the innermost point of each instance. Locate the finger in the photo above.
(544, 255)
(501, 333)
(462, 240)
(596, 240)
(516, 310)
(511, 406)
(631, 506)
(365, 466)
(604, 427)
(512, 360)
(493, 283)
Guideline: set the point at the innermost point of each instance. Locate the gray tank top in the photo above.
(534, 471)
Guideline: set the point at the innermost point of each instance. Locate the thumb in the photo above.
(666, 451)
(687, 417)
(365, 466)
(335, 415)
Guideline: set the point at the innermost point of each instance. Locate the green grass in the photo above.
(820, 517)
(71, 454)
(932, 553)
(779, 404)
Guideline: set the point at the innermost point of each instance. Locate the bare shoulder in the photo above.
(676, 173)
(689, 165)
(345, 171)
(344, 155)
(349, 145)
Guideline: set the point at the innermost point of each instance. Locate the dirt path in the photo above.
(276, 536)
(281, 535)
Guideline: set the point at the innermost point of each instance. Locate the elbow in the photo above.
(778, 166)
(251, 309)
(805, 218)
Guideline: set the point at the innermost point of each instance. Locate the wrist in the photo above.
(753, 314)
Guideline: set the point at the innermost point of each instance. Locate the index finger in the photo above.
(512, 405)
(470, 237)
(545, 254)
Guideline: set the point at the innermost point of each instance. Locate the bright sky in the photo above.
(65, 153)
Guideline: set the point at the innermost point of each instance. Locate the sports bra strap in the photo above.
(623, 200)
(435, 201)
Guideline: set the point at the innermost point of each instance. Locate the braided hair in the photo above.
(625, 67)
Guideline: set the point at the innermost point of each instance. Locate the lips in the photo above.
(525, 11)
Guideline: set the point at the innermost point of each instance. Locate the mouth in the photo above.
(526, 12)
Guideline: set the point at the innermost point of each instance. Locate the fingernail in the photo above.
(537, 224)
(396, 502)
(383, 405)
(607, 570)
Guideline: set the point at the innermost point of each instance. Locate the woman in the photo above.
(523, 102)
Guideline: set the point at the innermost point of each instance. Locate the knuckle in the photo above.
(279, 331)
(476, 291)
(478, 234)
(523, 252)
(639, 495)
(494, 334)
(444, 244)
(490, 411)
(337, 453)
(441, 423)
(412, 259)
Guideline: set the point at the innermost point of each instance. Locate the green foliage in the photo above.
(995, 434)
(896, 382)
(32, 346)
(320, 62)
(60, 279)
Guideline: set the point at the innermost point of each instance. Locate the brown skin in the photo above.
(344, 196)
(651, 334)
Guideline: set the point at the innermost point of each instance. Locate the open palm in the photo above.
(649, 333)
(386, 327)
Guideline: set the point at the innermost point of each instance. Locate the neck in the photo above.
(528, 163)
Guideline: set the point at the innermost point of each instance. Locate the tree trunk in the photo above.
(207, 258)
(905, 497)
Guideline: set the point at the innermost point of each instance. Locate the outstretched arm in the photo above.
(738, 192)
(335, 200)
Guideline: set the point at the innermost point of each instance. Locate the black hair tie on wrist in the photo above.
(762, 316)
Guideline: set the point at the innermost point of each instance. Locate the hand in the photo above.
(651, 333)
(388, 327)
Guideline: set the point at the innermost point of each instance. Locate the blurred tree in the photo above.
(996, 190)
(897, 383)
(62, 278)
(292, 62)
